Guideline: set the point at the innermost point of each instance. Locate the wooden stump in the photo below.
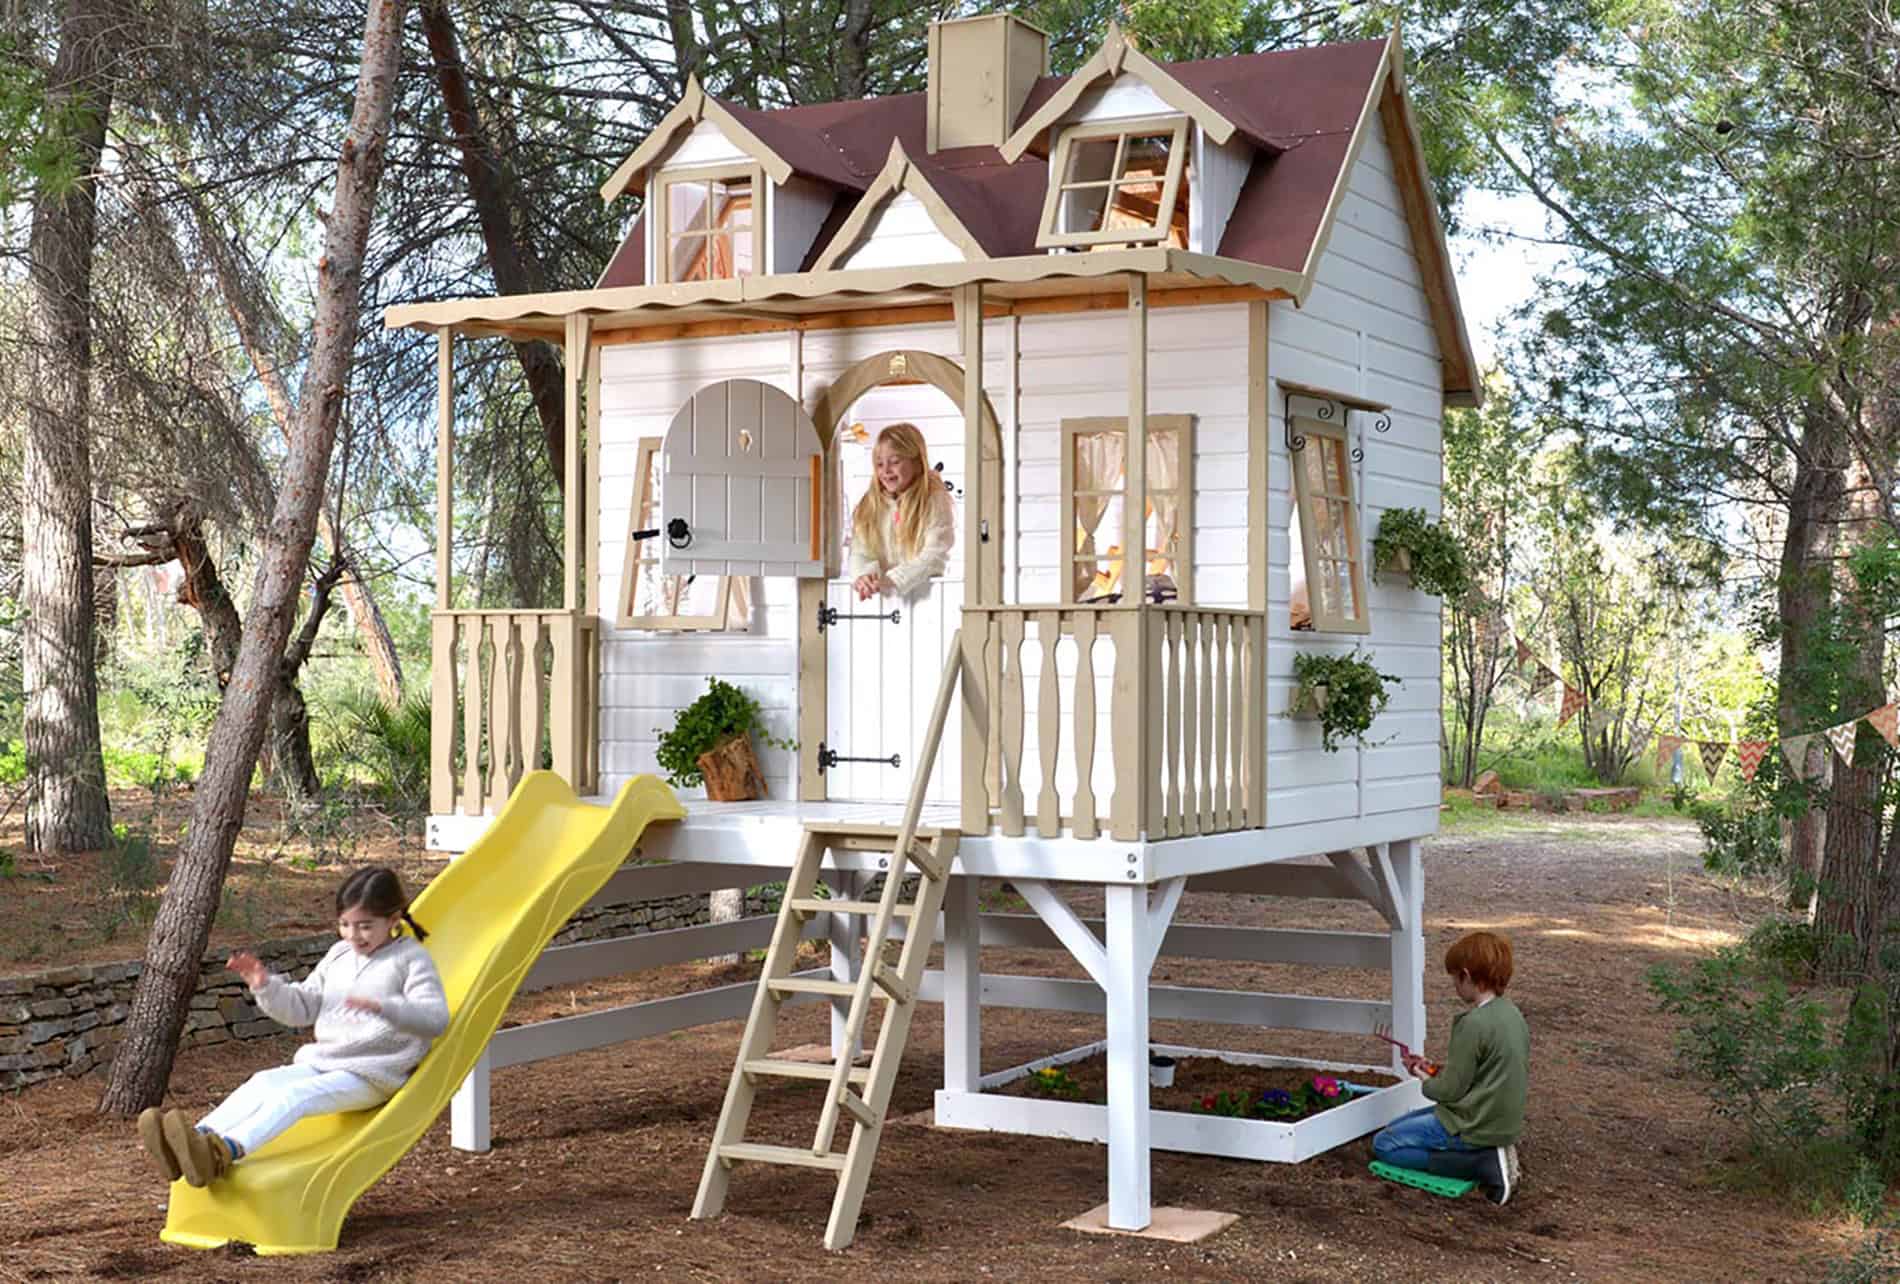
(732, 771)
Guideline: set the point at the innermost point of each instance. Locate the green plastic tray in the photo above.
(1449, 1187)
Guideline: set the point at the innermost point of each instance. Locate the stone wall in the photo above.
(70, 1020)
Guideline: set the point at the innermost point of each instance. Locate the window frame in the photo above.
(1184, 522)
(1090, 131)
(661, 203)
(650, 450)
(1311, 416)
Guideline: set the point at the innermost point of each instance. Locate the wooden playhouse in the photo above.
(1219, 285)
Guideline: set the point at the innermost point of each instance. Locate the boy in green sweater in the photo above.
(1472, 1130)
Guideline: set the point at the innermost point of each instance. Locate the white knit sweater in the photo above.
(907, 577)
(381, 1048)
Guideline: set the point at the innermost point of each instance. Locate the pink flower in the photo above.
(1324, 1086)
(1207, 1103)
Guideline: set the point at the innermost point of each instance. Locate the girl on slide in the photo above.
(376, 1000)
(903, 528)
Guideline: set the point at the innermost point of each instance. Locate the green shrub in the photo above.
(1739, 840)
(387, 748)
(13, 764)
(1806, 1074)
(131, 875)
(722, 713)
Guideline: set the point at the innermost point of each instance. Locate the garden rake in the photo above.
(1384, 1031)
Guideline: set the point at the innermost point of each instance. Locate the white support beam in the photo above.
(1408, 951)
(1067, 926)
(846, 934)
(1364, 884)
(1181, 1003)
(1383, 853)
(1304, 947)
(1161, 910)
(468, 1111)
(963, 986)
(588, 960)
(1130, 1193)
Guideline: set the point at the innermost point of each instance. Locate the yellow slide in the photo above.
(489, 914)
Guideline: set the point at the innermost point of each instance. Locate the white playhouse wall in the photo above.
(1366, 330)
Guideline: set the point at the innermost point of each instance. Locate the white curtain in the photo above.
(1164, 473)
(1099, 457)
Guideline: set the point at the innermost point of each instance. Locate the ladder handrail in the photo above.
(887, 904)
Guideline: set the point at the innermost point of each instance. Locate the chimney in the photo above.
(981, 71)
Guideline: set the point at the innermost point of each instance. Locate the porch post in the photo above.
(1408, 950)
(442, 627)
(1130, 956)
(977, 590)
(1135, 470)
(444, 460)
(962, 987)
(574, 496)
(1259, 449)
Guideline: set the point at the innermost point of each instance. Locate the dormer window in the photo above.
(709, 228)
(1117, 183)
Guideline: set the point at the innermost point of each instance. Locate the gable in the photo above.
(901, 234)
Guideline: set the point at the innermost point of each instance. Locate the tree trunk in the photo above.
(1803, 591)
(183, 926)
(854, 50)
(67, 808)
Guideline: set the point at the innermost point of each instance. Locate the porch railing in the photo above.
(511, 691)
(1122, 720)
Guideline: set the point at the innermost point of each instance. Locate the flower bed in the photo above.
(1207, 1085)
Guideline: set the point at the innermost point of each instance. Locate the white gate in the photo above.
(882, 677)
(744, 485)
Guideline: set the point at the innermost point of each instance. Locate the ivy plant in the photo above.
(1438, 560)
(1355, 695)
(716, 717)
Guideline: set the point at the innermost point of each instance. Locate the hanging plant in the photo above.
(1345, 692)
(1408, 542)
(723, 715)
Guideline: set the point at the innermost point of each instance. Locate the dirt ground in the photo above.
(597, 1156)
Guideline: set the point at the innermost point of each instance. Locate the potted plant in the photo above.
(1345, 692)
(711, 744)
(1411, 544)
(1160, 1070)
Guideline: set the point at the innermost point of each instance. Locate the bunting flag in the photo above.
(1573, 701)
(1542, 678)
(1886, 720)
(1523, 654)
(1842, 738)
(1748, 756)
(1712, 753)
(1795, 750)
(1639, 737)
(1666, 747)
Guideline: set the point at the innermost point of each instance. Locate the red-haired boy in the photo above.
(1472, 1129)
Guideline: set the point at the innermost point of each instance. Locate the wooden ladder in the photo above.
(861, 1093)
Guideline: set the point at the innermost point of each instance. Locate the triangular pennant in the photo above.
(1542, 678)
(1523, 654)
(1666, 747)
(1712, 753)
(1886, 720)
(1795, 750)
(1842, 738)
(1639, 736)
(1573, 701)
(1748, 756)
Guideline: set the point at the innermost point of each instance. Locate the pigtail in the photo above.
(414, 927)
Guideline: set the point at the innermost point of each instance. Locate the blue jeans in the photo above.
(1410, 1140)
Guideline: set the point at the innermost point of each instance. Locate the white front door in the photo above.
(882, 677)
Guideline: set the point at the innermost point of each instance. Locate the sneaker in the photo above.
(1499, 1190)
(152, 1138)
(188, 1147)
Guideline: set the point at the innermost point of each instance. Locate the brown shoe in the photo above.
(152, 1137)
(221, 1157)
(191, 1148)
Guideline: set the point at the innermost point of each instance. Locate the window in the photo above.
(1116, 184)
(709, 229)
(650, 600)
(1094, 487)
(1328, 590)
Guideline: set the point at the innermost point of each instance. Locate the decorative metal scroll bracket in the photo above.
(829, 758)
(830, 615)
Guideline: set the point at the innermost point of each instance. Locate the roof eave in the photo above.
(694, 106)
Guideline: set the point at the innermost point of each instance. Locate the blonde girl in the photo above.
(903, 528)
(376, 1000)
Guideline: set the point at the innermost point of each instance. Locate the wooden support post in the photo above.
(1259, 455)
(590, 525)
(573, 488)
(1129, 1190)
(962, 988)
(1135, 467)
(1408, 949)
(444, 464)
(442, 714)
(978, 694)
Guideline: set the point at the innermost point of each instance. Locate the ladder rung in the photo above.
(747, 1152)
(818, 905)
(804, 1069)
(859, 1109)
(891, 983)
(812, 985)
(924, 856)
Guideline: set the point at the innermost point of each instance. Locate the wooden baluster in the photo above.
(1208, 637)
(1012, 673)
(993, 682)
(1048, 725)
(493, 771)
(1189, 661)
(561, 710)
(1169, 674)
(1255, 704)
(472, 718)
(593, 706)
(1084, 821)
(536, 690)
(1130, 752)
(1222, 695)
(442, 714)
(1153, 632)
(507, 706)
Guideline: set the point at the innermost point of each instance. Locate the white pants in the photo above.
(271, 1100)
